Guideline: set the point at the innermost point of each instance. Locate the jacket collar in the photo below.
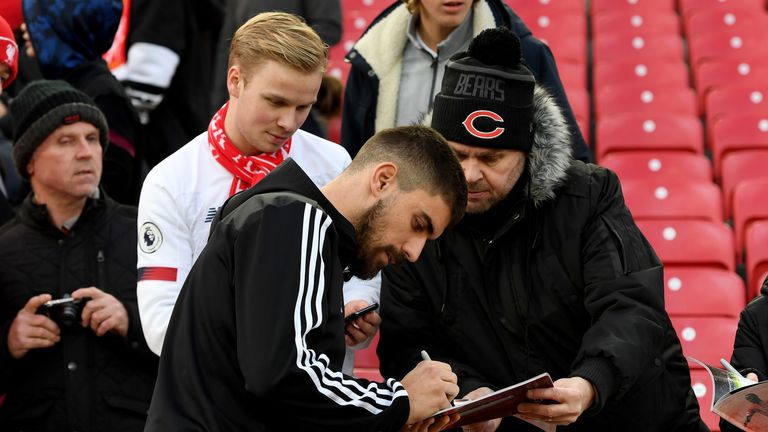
(36, 215)
(289, 177)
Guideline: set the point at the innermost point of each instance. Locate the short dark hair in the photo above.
(424, 161)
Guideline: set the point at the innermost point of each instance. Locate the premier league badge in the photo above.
(150, 237)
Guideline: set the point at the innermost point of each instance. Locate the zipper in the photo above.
(434, 81)
(101, 270)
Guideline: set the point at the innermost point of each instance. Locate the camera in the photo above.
(65, 310)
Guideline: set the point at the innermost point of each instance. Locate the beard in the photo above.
(371, 230)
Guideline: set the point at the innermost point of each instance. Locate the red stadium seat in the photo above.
(660, 47)
(573, 76)
(645, 100)
(743, 18)
(608, 6)
(655, 73)
(647, 22)
(676, 199)
(377, 5)
(690, 242)
(737, 132)
(737, 98)
(749, 206)
(740, 166)
(689, 7)
(699, 291)
(367, 362)
(367, 357)
(338, 69)
(579, 101)
(707, 339)
(731, 46)
(702, 386)
(756, 243)
(528, 8)
(718, 72)
(659, 166)
(650, 132)
(557, 26)
(571, 50)
(356, 21)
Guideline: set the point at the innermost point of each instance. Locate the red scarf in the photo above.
(248, 170)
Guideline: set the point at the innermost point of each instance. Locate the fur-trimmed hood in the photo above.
(550, 156)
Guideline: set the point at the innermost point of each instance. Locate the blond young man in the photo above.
(276, 64)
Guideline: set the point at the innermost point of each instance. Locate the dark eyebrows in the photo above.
(430, 228)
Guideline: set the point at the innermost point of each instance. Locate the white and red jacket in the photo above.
(179, 200)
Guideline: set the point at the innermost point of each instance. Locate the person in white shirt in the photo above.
(276, 64)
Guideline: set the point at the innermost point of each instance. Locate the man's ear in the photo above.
(234, 77)
(31, 166)
(383, 179)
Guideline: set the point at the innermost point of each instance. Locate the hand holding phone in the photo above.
(358, 313)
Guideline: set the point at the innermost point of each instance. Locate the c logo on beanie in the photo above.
(470, 126)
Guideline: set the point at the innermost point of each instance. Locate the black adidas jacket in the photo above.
(256, 339)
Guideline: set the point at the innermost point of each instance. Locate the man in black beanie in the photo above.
(547, 272)
(79, 362)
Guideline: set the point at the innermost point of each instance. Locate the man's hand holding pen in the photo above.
(431, 386)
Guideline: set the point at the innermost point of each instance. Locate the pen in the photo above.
(425, 356)
(729, 368)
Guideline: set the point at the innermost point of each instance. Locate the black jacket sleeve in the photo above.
(359, 111)
(623, 294)
(294, 255)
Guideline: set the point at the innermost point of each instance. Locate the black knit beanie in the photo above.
(43, 106)
(486, 99)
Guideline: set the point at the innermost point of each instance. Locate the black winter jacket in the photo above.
(376, 69)
(750, 349)
(84, 382)
(555, 278)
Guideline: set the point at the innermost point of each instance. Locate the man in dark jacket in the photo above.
(547, 272)
(256, 339)
(84, 365)
(68, 38)
(398, 64)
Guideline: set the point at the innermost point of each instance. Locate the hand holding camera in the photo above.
(103, 313)
(30, 330)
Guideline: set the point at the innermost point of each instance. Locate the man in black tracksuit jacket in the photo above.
(551, 276)
(256, 339)
(68, 238)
